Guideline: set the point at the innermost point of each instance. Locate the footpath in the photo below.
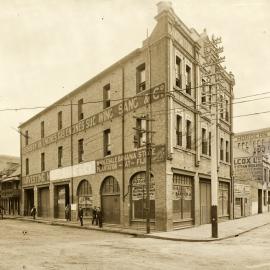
(202, 233)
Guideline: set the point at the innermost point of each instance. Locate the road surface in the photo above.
(58, 247)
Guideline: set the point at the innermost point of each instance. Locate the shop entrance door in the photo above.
(205, 202)
(28, 201)
(44, 202)
(61, 200)
(110, 200)
(259, 201)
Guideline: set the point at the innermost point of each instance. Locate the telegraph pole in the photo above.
(214, 70)
(148, 159)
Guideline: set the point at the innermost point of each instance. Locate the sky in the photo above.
(49, 48)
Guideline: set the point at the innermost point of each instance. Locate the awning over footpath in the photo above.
(15, 176)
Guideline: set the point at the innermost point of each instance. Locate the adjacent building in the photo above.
(83, 150)
(10, 184)
(252, 174)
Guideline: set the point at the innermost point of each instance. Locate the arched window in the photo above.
(110, 186)
(85, 201)
(138, 196)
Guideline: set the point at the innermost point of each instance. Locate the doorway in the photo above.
(61, 200)
(110, 200)
(28, 201)
(205, 202)
(259, 201)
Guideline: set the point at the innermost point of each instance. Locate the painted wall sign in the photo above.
(131, 159)
(36, 178)
(117, 110)
(248, 168)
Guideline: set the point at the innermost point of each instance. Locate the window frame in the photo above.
(107, 142)
(141, 85)
(80, 150)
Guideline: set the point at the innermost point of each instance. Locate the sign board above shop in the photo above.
(130, 159)
(129, 105)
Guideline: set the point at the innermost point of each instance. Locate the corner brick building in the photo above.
(81, 150)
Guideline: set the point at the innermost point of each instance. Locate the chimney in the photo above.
(164, 5)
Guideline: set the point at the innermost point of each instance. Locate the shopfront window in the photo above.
(223, 199)
(138, 196)
(84, 193)
(182, 197)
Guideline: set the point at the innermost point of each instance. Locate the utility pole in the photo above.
(213, 73)
(148, 159)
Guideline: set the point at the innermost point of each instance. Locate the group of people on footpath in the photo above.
(96, 216)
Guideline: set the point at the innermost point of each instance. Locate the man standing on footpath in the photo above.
(94, 216)
(99, 217)
(80, 215)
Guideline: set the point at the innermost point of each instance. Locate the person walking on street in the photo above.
(34, 212)
(80, 215)
(99, 217)
(94, 215)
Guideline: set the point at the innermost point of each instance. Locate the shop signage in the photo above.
(248, 168)
(86, 168)
(240, 189)
(85, 201)
(8, 193)
(139, 188)
(36, 178)
(181, 192)
(117, 110)
(130, 159)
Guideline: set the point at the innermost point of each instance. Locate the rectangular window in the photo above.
(221, 107)
(42, 129)
(182, 197)
(141, 78)
(203, 95)
(264, 174)
(204, 142)
(179, 130)
(227, 110)
(178, 72)
(107, 142)
(209, 138)
(264, 197)
(27, 166)
(80, 109)
(140, 132)
(106, 96)
(221, 149)
(60, 156)
(60, 120)
(80, 150)
(188, 134)
(188, 80)
(227, 152)
(42, 159)
(26, 136)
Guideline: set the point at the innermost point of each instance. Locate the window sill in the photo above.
(225, 163)
(206, 156)
(181, 148)
(183, 92)
(182, 220)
